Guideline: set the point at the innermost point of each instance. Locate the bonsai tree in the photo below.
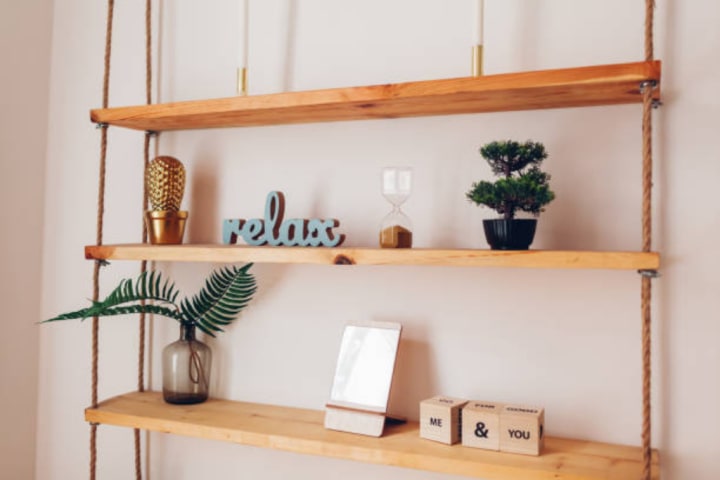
(523, 185)
(226, 292)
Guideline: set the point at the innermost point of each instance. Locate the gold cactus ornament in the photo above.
(165, 183)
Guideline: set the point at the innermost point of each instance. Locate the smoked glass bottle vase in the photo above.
(186, 369)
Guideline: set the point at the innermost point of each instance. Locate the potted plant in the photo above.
(522, 187)
(186, 362)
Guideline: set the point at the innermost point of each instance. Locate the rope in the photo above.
(647, 167)
(138, 462)
(146, 162)
(646, 285)
(99, 234)
(148, 52)
(649, 24)
(646, 288)
(143, 264)
(141, 346)
(93, 450)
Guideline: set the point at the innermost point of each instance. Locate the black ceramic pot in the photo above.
(516, 234)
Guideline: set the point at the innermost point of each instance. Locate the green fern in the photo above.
(226, 292)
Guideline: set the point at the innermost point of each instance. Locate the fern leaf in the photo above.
(120, 310)
(226, 292)
(128, 297)
(146, 288)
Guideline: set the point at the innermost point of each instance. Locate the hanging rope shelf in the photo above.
(614, 84)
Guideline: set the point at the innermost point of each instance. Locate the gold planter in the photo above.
(165, 227)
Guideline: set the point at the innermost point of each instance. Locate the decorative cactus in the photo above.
(165, 183)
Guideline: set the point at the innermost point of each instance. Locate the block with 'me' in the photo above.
(481, 425)
(521, 429)
(440, 419)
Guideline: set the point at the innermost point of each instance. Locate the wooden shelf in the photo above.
(570, 87)
(302, 431)
(378, 256)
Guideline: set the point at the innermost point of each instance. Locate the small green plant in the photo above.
(226, 292)
(523, 185)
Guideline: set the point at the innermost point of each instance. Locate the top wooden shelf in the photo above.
(561, 88)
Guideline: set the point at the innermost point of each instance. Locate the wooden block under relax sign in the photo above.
(481, 425)
(440, 419)
(521, 429)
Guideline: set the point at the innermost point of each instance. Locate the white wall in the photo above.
(568, 340)
(24, 80)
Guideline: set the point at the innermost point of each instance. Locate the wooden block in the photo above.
(481, 425)
(440, 419)
(521, 429)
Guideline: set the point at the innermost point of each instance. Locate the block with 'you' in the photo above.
(521, 429)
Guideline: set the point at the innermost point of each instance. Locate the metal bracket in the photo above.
(649, 273)
(103, 263)
(652, 85)
(101, 125)
(152, 133)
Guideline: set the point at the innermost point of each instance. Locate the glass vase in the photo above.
(186, 369)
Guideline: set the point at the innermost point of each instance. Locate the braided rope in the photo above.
(146, 161)
(646, 285)
(148, 52)
(93, 450)
(138, 458)
(646, 281)
(646, 288)
(649, 25)
(99, 233)
(143, 264)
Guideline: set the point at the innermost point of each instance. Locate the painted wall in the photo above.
(25, 30)
(568, 340)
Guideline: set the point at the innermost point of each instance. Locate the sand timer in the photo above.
(396, 230)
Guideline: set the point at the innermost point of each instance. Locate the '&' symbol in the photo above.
(480, 430)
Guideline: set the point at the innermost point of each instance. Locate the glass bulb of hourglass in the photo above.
(396, 229)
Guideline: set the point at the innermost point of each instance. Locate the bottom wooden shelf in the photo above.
(302, 431)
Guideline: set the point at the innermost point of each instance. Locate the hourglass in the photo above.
(396, 229)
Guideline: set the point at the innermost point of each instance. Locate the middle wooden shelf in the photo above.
(550, 259)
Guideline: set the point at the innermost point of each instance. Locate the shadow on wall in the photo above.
(203, 222)
(415, 375)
